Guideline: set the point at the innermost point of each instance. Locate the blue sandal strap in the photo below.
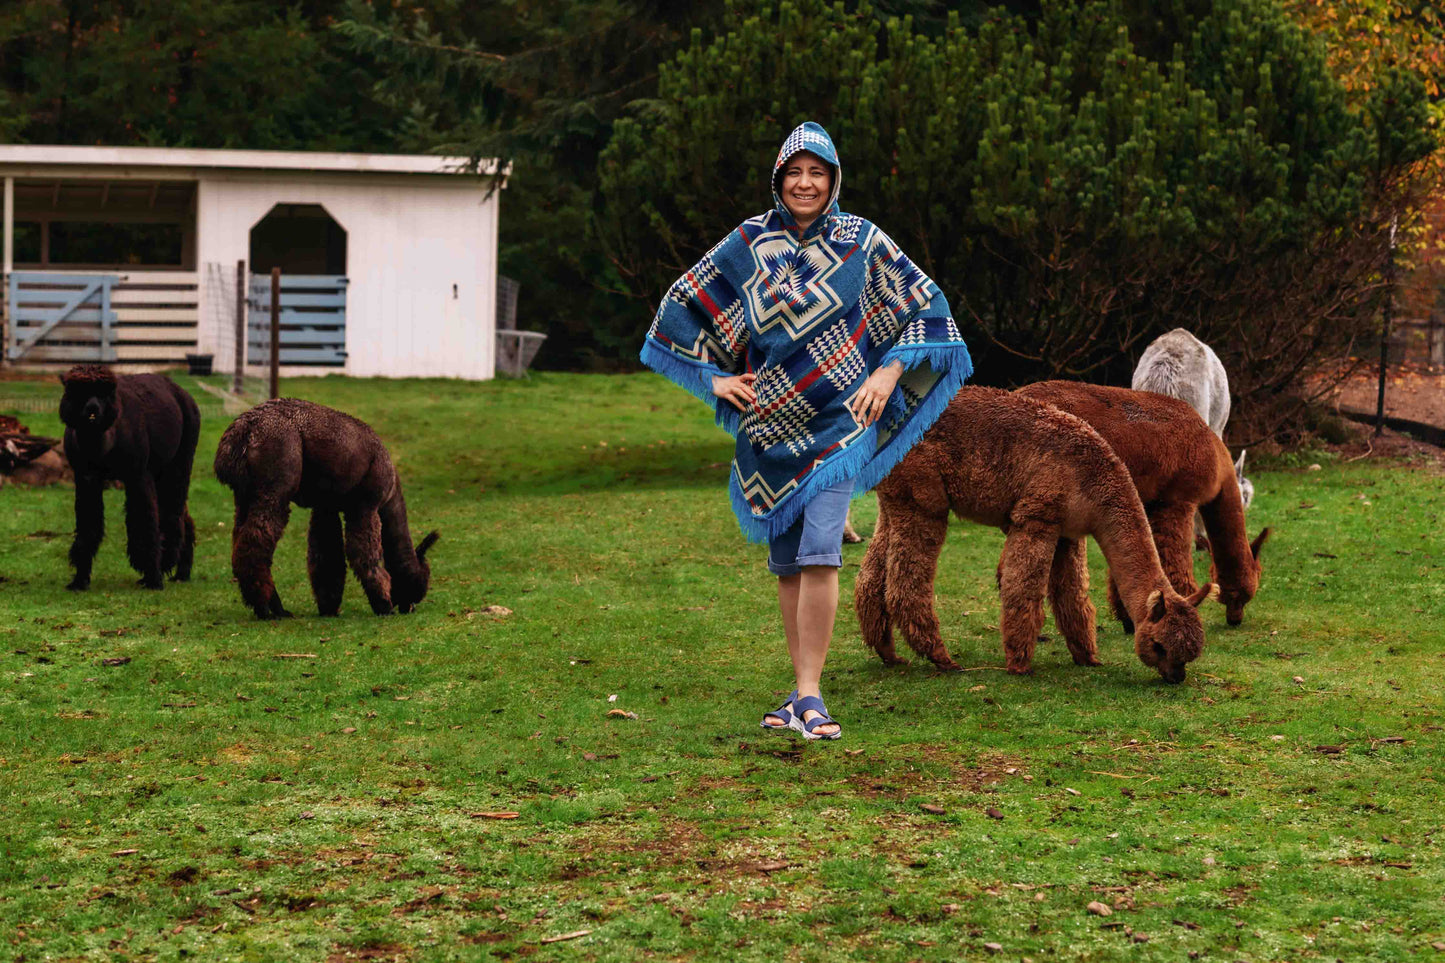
(814, 704)
(782, 712)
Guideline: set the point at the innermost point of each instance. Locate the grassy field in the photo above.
(171, 788)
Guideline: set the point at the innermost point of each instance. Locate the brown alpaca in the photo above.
(1178, 464)
(1048, 480)
(290, 450)
(140, 430)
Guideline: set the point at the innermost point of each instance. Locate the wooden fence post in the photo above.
(236, 379)
(275, 332)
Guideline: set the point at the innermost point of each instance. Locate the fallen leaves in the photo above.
(930, 808)
(494, 815)
(294, 655)
(993, 813)
(1099, 909)
(620, 714)
(772, 865)
(125, 852)
(118, 660)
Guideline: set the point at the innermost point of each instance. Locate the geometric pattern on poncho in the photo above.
(790, 287)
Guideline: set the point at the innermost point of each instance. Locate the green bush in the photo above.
(1077, 183)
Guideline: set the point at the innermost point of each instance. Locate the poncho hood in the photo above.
(812, 314)
(810, 137)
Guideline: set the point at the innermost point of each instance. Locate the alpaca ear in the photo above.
(1258, 543)
(426, 543)
(1239, 465)
(1206, 591)
(1155, 604)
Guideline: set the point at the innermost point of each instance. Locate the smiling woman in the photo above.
(828, 354)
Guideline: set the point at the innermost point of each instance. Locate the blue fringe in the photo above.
(696, 378)
(954, 361)
(841, 467)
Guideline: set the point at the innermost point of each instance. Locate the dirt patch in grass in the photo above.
(385, 951)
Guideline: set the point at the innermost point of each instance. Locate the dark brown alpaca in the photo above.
(1178, 465)
(1048, 480)
(140, 430)
(288, 451)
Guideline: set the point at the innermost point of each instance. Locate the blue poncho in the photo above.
(812, 313)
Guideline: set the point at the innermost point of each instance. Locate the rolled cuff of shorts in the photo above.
(804, 561)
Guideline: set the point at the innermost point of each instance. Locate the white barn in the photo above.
(130, 255)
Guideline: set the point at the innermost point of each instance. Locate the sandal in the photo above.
(802, 706)
(783, 712)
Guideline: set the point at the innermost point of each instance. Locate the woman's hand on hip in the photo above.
(737, 390)
(872, 398)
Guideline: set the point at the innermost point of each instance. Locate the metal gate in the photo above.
(61, 317)
(312, 320)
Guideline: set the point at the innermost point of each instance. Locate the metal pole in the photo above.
(275, 332)
(1389, 316)
(240, 328)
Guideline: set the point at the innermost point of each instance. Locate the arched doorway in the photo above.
(298, 239)
(308, 245)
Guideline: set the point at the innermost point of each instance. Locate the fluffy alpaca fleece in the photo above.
(1048, 480)
(1178, 465)
(140, 430)
(287, 451)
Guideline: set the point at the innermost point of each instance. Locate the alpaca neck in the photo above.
(1123, 534)
(1224, 523)
(396, 544)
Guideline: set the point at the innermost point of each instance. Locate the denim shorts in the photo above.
(816, 538)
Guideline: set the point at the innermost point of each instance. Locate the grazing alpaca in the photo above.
(290, 450)
(1178, 465)
(1181, 366)
(1048, 480)
(140, 430)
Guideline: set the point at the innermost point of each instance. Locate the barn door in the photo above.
(313, 320)
(61, 317)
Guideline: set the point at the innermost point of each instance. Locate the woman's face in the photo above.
(807, 186)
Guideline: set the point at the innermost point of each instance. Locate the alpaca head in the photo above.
(1236, 596)
(89, 403)
(409, 587)
(1171, 635)
(1246, 487)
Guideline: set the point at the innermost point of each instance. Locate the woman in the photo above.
(827, 353)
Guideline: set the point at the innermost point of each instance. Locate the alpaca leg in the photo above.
(1069, 598)
(89, 529)
(915, 539)
(1116, 605)
(186, 557)
(1028, 556)
(870, 594)
(363, 551)
(142, 530)
(1173, 530)
(172, 486)
(326, 560)
(259, 524)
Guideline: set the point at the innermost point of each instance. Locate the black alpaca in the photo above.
(288, 451)
(140, 430)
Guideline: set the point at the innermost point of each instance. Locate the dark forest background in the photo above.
(1078, 176)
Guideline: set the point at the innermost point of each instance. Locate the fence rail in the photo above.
(144, 317)
(312, 320)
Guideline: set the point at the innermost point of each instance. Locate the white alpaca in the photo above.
(1180, 365)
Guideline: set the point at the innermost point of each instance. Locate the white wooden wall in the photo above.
(421, 256)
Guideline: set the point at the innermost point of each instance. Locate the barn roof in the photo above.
(194, 158)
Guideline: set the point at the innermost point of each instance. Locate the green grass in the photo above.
(320, 809)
